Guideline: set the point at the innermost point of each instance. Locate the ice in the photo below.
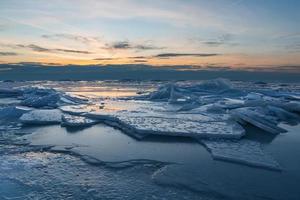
(259, 118)
(241, 151)
(218, 84)
(41, 101)
(75, 109)
(187, 93)
(71, 100)
(12, 112)
(284, 115)
(181, 127)
(42, 117)
(4, 92)
(48, 98)
(76, 121)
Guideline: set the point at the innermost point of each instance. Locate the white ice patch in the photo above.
(42, 117)
(76, 121)
(243, 151)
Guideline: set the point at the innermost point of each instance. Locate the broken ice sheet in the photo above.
(241, 151)
(181, 127)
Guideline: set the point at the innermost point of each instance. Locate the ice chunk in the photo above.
(4, 92)
(12, 112)
(72, 100)
(181, 127)
(284, 115)
(171, 93)
(41, 117)
(41, 101)
(261, 120)
(229, 103)
(241, 151)
(215, 85)
(190, 93)
(76, 121)
(40, 97)
(48, 98)
(292, 106)
(75, 109)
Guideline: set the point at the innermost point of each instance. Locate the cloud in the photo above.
(34, 47)
(168, 55)
(37, 48)
(123, 45)
(224, 39)
(295, 35)
(279, 68)
(106, 59)
(140, 61)
(73, 51)
(160, 56)
(78, 38)
(295, 47)
(8, 54)
(138, 57)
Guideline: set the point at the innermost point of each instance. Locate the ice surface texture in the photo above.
(241, 151)
(181, 127)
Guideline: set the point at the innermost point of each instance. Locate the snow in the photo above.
(241, 151)
(42, 117)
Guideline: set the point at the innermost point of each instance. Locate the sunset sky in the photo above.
(235, 33)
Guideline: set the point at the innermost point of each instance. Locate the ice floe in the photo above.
(42, 117)
(241, 151)
(181, 127)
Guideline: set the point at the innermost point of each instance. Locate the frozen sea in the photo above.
(211, 140)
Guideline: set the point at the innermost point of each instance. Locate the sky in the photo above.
(222, 33)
